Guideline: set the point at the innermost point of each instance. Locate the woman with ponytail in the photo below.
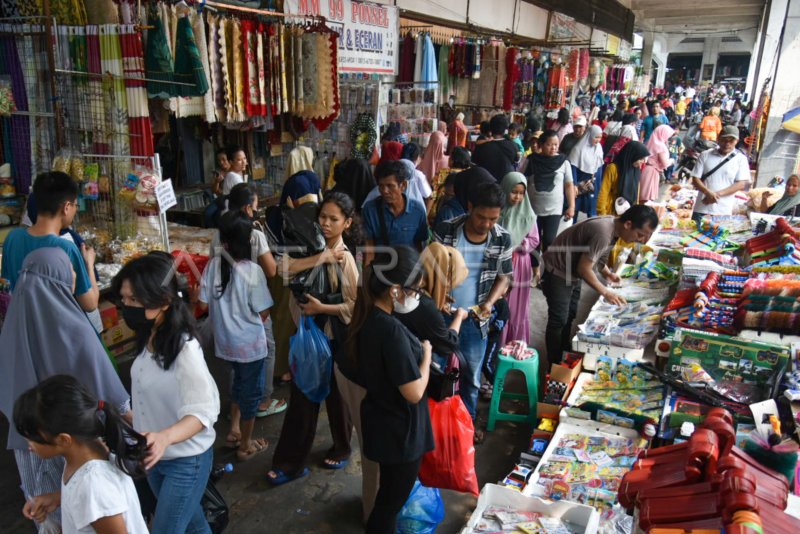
(46, 334)
(393, 366)
(60, 417)
(175, 399)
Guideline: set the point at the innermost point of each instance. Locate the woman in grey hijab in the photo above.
(46, 333)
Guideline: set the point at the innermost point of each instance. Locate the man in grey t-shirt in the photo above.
(575, 255)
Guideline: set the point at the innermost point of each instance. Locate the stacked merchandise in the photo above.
(770, 305)
(706, 483)
(414, 109)
(633, 325)
(710, 308)
(622, 394)
(697, 263)
(778, 247)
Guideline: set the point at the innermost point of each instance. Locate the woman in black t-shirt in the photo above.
(394, 367)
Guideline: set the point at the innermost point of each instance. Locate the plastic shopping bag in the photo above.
(422, 512)
(310, 360)
(451, 464)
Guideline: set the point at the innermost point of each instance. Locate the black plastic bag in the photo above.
(215, 508)
(301, 232)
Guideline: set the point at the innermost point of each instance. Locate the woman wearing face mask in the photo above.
(175, 399)
(586, 160)
(550, 188)
(42, 320)
(300, 424)
(621, 178)
(393, 365)
(444, 270)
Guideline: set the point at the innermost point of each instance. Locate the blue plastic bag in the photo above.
(310, 360)
(422, 512)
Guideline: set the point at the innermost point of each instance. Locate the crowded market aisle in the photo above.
(325, 501)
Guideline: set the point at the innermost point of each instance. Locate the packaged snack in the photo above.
(576, 413)
(561, 490)
(624, 372)
(562, 454)
(606, 417)
(554, 470)
(624, 422)
(605, 366)
(602, 459)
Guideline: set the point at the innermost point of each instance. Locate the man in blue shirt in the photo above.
(393, 219)
(57, 203)
(656, 118)
(486, 248)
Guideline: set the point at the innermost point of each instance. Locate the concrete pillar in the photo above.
(647, 52)
(779, 151)
(762, 62)
(710, 56)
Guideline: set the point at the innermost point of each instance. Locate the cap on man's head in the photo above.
(730, 131)
(579, 121)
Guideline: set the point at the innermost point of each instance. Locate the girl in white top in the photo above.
(175, 399)
(60, 417)
(237, 160)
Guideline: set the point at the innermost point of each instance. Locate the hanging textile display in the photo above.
(297, 55)
(19, 125)
(138, 113)
(100, 144)
(512, 75)
(117, 112)
(158, 61)
(188, 66)
(255, 104)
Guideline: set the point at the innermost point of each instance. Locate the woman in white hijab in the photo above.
(586, 159)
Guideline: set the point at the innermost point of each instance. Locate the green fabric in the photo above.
(518, 220)
(445, 81)
(188, 65)
(158, 63)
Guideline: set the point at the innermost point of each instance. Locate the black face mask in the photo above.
(136, 319)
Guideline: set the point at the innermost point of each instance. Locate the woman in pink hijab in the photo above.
(658, 161)
(434, 158)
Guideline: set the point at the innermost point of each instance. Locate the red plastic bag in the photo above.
(451, 465)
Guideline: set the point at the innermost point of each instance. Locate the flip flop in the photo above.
(333, 465)
(257, 446)
(233, 443)
(275, 407)
(282, 477)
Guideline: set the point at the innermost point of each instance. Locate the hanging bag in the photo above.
(310, 360)
(451, 464)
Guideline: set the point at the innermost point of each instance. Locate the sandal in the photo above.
(233, 441)
(278, 477)
(274, 407)
(327, 463)
(257, 446)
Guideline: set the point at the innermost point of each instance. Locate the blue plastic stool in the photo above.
(529, 368)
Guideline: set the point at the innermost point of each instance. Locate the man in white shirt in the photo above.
(719, 174)
(690, 92)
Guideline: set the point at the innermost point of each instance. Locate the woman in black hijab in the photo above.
(621, 177)
(354, 178)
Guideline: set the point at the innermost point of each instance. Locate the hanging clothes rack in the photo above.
(264, 12)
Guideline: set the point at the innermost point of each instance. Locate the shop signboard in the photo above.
(565, 28)
(368, 33)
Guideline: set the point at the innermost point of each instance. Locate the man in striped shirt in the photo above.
(486, 248)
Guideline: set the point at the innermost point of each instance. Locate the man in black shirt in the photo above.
(498, 156)
(571, 139)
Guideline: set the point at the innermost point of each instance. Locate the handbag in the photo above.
(215, 508)
(443, 382)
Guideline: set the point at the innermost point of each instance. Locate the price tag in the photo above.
(165, 195)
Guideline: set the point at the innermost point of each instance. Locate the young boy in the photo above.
(56, 196)
(514, 130)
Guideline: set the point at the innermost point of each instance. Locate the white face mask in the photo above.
(409, 305)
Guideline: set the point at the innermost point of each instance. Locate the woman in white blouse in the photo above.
(175, 400)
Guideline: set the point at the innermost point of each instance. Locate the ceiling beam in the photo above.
(645, 5)
(681, 11)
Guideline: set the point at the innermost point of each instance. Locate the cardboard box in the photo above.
(117, 334)
(565, 375)
(108, 314)
(583, 516)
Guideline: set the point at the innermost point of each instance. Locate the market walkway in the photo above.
(325, 501)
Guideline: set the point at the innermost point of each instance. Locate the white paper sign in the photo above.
(368, 33)
(165, 195)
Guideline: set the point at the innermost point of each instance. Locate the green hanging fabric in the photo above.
(188, 65)
(158, 63)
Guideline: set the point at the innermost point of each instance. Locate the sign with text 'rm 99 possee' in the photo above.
(368, 33)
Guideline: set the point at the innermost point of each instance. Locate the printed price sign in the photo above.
(165, 195)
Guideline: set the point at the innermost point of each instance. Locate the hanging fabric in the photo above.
(158, 62)
(188, 67)
(20, 124)
(406, 70)
(138, 114)
(512, 75)
(297, 55)
(253, 89)
(216, 60)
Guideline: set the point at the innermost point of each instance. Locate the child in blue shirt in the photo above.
(235, 290)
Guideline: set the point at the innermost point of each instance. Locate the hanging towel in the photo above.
(188, 66)
(158, 63)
